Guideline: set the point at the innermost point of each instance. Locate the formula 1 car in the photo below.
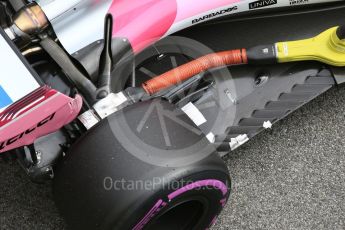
(130, 105)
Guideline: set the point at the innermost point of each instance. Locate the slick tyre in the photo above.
(102, 183)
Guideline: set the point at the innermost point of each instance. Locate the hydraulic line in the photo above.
(188, 70)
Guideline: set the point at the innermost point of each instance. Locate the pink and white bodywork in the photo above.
(42, 112)
(79, 23)
(28, 110)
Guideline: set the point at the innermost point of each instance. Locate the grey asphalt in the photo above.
(291, 177)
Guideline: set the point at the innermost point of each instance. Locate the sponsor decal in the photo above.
(262, 3)
(215, 14)
(13, 140)
(298, 2)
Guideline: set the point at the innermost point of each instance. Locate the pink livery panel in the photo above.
(142, 21)
(42, 112)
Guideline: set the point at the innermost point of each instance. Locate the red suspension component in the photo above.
(188, 70)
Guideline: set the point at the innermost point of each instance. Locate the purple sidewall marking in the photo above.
(196, 185)
(148, 216)
(214, 220)
(199, 184)
(223, 202)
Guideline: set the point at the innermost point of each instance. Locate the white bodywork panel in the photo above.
(16, 81)
(71, 21)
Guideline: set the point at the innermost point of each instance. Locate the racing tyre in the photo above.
(117, 178)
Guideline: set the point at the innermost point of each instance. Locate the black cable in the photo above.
(64, 61)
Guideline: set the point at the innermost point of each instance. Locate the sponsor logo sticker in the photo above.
(13, 140)
(215, 14)
(298, 2)
(262, 3)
